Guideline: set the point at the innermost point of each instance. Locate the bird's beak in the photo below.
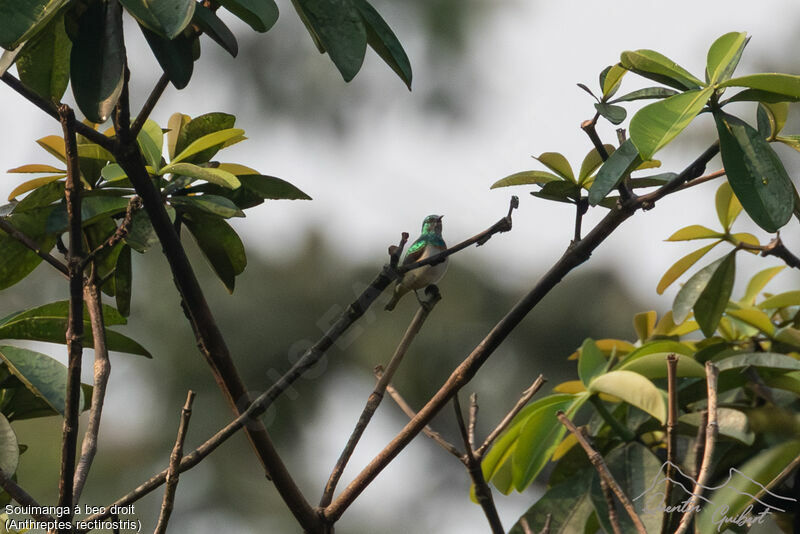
(441, 217)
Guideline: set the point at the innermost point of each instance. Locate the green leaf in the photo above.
(694, 231)
(728, 206)
(755, 173)
(782, 84)
(16, 260)
(592, 162)
(40, 374)
(635, 468)
(208, 21)
(613, 114)
(567, 504)
(617, 166)
(611, 80)
(123, 281)
(93, 208)
(212, 204)
(383, 40)
(645, 94)
(214, 140)
(142, 235)
(724, 55)
(175, 56)
(214, 176)
(41, 197)
(731, 423)
(738, 488)
(660, 68)
(49, 323)
(758, 282)
(658, 123)
(194, 129)
(558, 164)
(776, 115)
(151, 141)
(97, 60)
(37, 168)
(167, 18)
(261, 15)
(30, 185)
(767, 360)
(714, 298)
(24, 18)
(655, 365)
(177, 122)
(220, 245)
(539, 437)
(632, 388)
(271, 188)
(43, 64)
(691, 290)
(560, 191)
(591, 361)
(525, 178)
(338, 27)
(781, 300)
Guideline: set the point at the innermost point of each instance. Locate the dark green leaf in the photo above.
(645, 94)
(691, 290)
(654, 180)
(212, 204)
(338, 27)
(261, 15)
(560, 191)
(271, 188)
(220, 245)
(566, 504)
(757, 95)
(16, 260)
(210, 23)
(43, 64)
(97, 60)
(93, 208)
(200, 127)
(591, 362)
(766, 360)
(712, 301)
(755, 173)
(614, 114)
(41, 197)
(167, 18)
(123, 276)
(40, 374)
(23, 18)
(142, 235)
(176, 57)
(616, 167)
(383, 40)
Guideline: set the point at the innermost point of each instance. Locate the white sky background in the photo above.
(400, 165)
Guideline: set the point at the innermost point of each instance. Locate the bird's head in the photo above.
(432, 224)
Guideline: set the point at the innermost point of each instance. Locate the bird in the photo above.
(429, 242)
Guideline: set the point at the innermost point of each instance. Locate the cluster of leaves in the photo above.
(759, 384)
(755, 172)
(57, 41)
(198, 193)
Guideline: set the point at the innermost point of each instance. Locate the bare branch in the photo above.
(122, 230)
(612, 509)
(74, 332)
(527, 395)
(774, 248)
(149, 105)
(102, 371)
(173, 473)
(672, 436)
(23, 497)
(473, 420)
(376, 397)
(712, 373)
(602, 469)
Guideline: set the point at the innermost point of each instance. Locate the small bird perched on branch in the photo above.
(430, 242)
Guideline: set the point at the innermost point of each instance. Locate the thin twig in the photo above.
(483, 493)
(526, 528)
(23, 497)
(376, 397)
(699, 443)
(712, 373)
(48, 107)
(774, 248)
(32, 245)
(777, 480)
(428, 431)
(588, 126)
(575, 255)
(672, 436)
(702, 179)
(602, 469)
(527, 395)
(122, 230)
(473, 420)
(149, 104)
(612, 509)
(173, 473)
(102, 371)
(546, 528)
(74, 332)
